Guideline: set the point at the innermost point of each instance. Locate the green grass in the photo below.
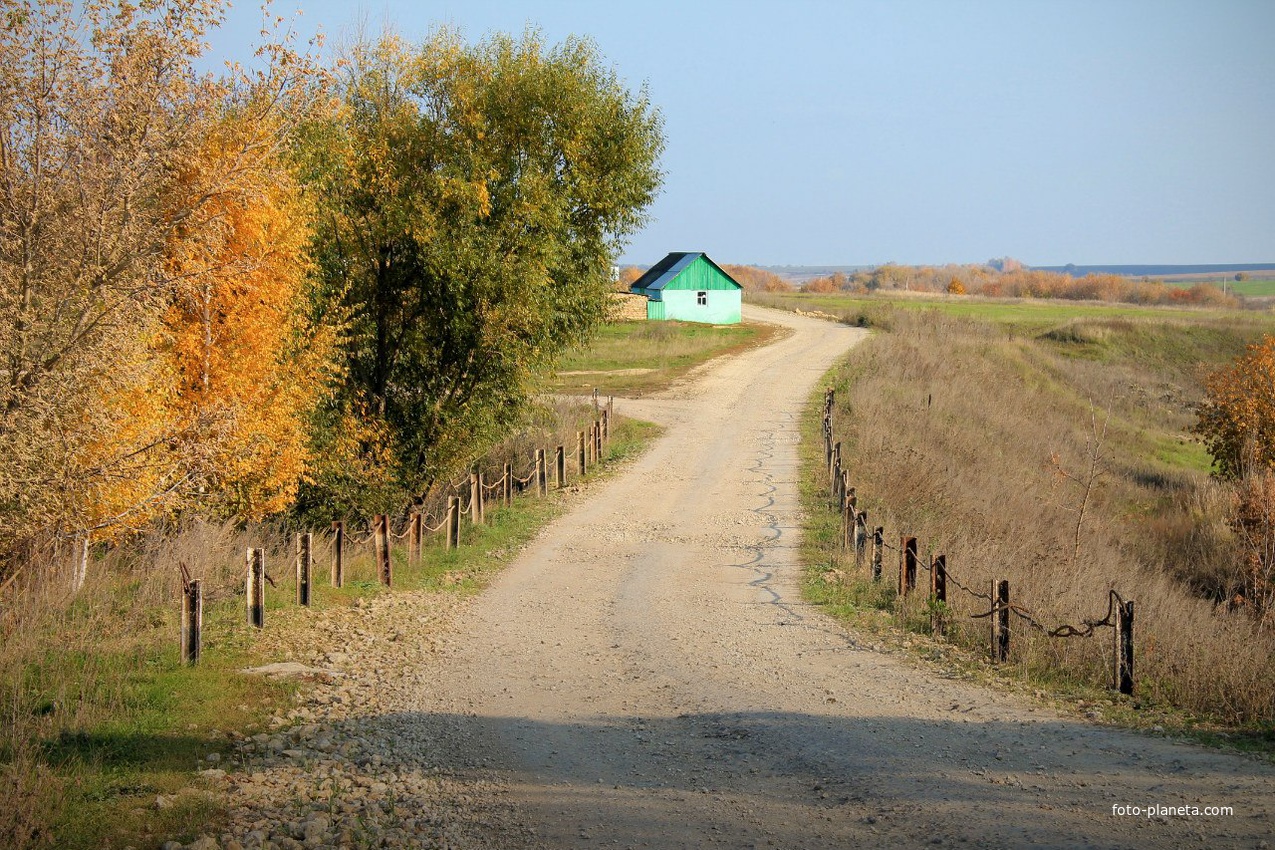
(634, 359)
(109, 720)
(1026, 315)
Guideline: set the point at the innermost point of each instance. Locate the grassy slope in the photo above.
(101, 720)
(638, 358)
(950, 425)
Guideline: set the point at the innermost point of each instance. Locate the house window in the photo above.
(701, 298)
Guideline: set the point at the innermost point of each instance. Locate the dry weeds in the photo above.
(996, 449)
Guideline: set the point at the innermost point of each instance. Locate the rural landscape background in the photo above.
(242, 302)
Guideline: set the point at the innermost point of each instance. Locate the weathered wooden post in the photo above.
(606, 427)
(192, 621)
(938, 592)
(595, 400)
(835, 481)
(878, 547)
(907, 565)
(453, 522)
(338, 554)
(1123, 672)
(507, 485)
(860, 537)
(560, 466)
(381, 540)
(597, 441)
(475, 498)
(256, 588)
(416, 521)
(1000, 620)
(580, 447)
(848, 520)
(542, 474)
(305, 546)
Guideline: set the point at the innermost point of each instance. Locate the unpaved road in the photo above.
(645, 675)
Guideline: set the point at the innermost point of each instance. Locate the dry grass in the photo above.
(978, 440)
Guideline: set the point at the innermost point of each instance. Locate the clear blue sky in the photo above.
(807, 132)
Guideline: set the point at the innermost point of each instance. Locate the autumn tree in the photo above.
(248, 365)
(1237, 417)
(113, 154)
(473, 198)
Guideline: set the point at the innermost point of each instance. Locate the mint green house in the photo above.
(689, 286)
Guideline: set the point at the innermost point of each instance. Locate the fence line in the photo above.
(1119, 616)
(472, 487)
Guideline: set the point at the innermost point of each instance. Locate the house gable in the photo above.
(683, 270)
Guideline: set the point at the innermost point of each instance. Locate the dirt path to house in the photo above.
(646, 675)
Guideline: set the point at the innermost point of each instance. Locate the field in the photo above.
(1049, 444)
(638, 358)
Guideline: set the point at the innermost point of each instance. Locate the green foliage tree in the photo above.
(472, 197)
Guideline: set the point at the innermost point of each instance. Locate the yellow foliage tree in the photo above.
(249, 368)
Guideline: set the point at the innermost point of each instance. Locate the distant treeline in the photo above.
(1159, 271)
(1018, 282)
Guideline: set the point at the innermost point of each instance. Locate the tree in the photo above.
(473, 198)
(1237, 417)
(113, 156)
(248, 367)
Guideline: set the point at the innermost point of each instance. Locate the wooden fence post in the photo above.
(338, 554)
(542, 474)
(848, 520)
(560, 466)
(1000, 620)
(907, 565)
(1124, 647)
(606, 427)
(192, 622)
(597, 441)
(878, 546)
(414, 535)
(453, 522)
(938, 592)
(835, 481)
(475, 498)
(507, 482)
(860, 537)
(305, 546)
(381, 540)
(580, 447)
(595, 400)
(256, 588)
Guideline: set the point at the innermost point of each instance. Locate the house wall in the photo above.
(723, 307)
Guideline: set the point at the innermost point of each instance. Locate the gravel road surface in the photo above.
(646, 675)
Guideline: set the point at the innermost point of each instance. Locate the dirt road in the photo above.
(646, 675)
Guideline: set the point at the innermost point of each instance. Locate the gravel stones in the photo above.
(355, 763)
